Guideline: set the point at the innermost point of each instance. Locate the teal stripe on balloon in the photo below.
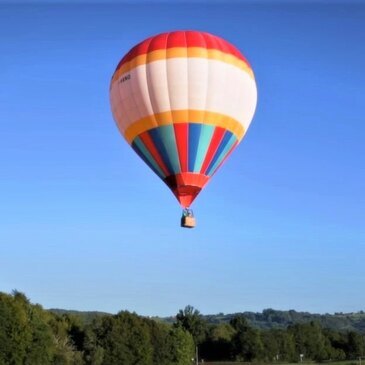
(147, 157)
(167, 137)
(193, 143)
(205, 137)
(222, 155)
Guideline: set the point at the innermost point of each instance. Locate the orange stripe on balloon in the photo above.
(179, 116)
(181, 52)
(187, 38)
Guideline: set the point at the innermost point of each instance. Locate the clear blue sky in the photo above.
(85, 225)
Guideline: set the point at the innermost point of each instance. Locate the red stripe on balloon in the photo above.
(148, 142)
(159, 42)
(175, 39)
(181, 136)
(188, 38)
(214, 144)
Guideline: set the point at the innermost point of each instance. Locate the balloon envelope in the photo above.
(183, 100)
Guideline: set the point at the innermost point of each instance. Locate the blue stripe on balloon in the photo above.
(193, 141)
(223, 156)
(199, 138)
(206, 134)
(226, 144)
(164, 139)
(142, 152)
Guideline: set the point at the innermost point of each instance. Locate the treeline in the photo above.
(239, 341)
(31, 335)
(271, 318)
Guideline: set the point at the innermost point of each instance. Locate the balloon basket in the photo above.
(188, 219)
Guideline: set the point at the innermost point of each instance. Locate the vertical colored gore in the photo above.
(185, 155)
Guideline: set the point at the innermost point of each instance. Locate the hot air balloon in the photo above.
(183, 100)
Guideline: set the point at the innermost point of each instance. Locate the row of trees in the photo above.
(240, 341)
(30, 335)
(271, 318)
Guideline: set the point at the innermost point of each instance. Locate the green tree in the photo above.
(182, 346)
(191, 320)
(217, 345)
(16, 330)
(286, 346)
(41, 348)
(159, 335)
(311, 341)
(271, 345)
(93, 351)
(27, 336)
(355, 345)
(337, 342)
(15, 335)
(246, 342)
(65, 349)
(125, 340)
(279, 345)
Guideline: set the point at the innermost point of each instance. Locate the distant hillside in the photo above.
(270, 318)
(86, 317)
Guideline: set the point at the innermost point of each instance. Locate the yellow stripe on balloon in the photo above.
(179, 116)
(182, 52)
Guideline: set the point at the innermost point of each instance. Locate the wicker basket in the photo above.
(188, 222)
